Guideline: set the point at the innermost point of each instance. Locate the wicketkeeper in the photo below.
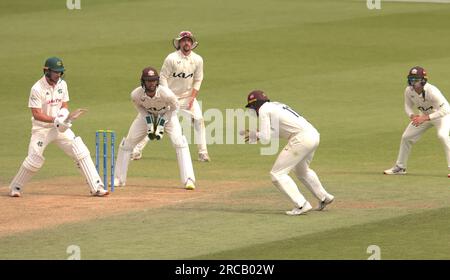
(51, 122)
(157, 108)
(182, 73)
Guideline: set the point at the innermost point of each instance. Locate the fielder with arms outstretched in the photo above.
(157, 108)
(278, 120)
(434, 111)
(182, 72)
(48, 102)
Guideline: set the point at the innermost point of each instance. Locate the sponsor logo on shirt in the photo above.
(423, 109)
(155, 110)
(182, 75)
(54, 101)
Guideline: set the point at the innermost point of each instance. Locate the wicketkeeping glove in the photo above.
(159, 132)
(150, 120)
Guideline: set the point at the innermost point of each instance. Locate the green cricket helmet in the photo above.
(54, 64)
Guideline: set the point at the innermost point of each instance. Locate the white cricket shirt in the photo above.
(431, 102)
(163, 103)
(181, 73)
(47, 98)
(279, 120)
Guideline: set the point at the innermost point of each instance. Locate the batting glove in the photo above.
(61, 125)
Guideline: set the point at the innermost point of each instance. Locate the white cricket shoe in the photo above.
(100, 192)
(299, 211)
(203, 157)
(136, 154)
(117, 183)
(189, 184)
(15, 193)
(396, 170)
(327, 200)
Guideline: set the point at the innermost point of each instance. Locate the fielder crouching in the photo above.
(157, 108)
(48, 101)
(279, 120)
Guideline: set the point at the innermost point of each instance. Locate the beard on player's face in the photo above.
(150, 86)
(417, 86)
(186, 44)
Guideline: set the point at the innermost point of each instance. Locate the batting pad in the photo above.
(87, 166)
(30, 166)
(184, 161)
(123, 159)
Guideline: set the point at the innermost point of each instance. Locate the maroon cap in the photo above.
(418, 72)
(149, 74)
(256, 95)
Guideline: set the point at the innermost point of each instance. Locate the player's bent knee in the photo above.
(33, 162)
(275, 176)
(301, 173)
(125, 145)
(179, 142)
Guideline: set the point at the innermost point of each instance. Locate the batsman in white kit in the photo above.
(51, 122)
(434, 111)
(279, 120)
(157, 108)
(182, 72)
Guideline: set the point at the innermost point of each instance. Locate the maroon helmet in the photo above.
(256, 99)
(416, 74)
(149, 74)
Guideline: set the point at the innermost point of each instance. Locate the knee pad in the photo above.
(180, 142)
(79, 149)
(33, 162)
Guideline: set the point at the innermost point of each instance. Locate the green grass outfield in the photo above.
(338, 63)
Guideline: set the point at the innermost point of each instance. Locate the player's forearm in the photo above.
(409, 110)
(40, 116)
(196, 85)
(194, 93)
(444, 110)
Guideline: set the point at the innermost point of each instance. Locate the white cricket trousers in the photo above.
(297, 155)
(71, 145)
(41, 137)
(199, 124)
(412, 134)
(138, 131)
